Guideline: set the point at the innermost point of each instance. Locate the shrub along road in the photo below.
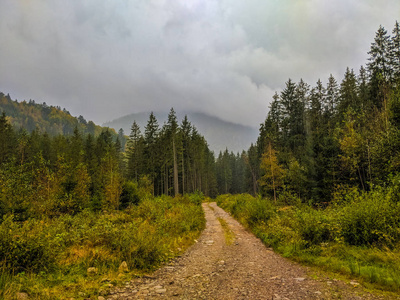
(228, 262)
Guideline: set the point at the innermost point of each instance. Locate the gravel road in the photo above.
(239, 267)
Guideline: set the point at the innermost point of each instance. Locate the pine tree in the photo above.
(151, 134)
(348, 98)
(271, 128)
(317, 98)
(172, 131)
(315, 130)
(7, 139)
(379, 61)
(287, 99)
(75, 151)
(185, 130)
(395, 51)
(252, 160)
(122, 139)
(135, 153)
(331, 98)
(363, 90)
(224, 172)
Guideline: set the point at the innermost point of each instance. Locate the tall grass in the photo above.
(49, 258)
(358, 237)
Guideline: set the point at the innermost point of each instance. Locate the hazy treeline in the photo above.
(174, 157)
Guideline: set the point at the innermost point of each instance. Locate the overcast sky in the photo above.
(105, 59)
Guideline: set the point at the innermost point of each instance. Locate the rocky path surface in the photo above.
(237, 268)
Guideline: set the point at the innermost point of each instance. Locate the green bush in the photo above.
(359, 234)
(316, 226)
(196, 198)
(26, 246)
(143, 235)
(371, 219)
(259, 211)
(247, 208)
(129, 195)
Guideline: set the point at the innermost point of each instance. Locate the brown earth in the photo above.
(218, 267)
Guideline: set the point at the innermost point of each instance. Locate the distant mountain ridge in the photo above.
(218, 133)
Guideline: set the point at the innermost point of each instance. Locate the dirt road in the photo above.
(228, 262)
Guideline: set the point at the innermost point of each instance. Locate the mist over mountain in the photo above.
(218, 133)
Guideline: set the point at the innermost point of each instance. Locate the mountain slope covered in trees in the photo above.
(51, 119)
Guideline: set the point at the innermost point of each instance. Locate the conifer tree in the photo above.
(331, 98)
(7, 139)
(135, 153)
(151, 134)
(363, 90)
(348, 98)
(287, 99)
(379, 61)
(252, 160)
(185, 130)
(395, 51)
(172, 131)
(121, 138)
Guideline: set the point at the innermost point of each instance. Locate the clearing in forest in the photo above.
(228, 262)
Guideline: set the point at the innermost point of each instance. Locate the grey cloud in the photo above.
(105, 59)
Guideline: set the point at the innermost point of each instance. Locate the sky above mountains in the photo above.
(226, 58)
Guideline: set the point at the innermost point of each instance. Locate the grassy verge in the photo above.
(50, 258)
(229, 235)
(358, 238)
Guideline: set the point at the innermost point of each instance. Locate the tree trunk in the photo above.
(183, 175)
(272, 171)
(176, 179)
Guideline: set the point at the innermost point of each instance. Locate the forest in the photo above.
(319, 146)
(319, 141)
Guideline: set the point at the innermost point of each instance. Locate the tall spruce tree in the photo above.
(134, 152)
(379, 61)
(331, 98)
(151, 135)
(348, 98)
(172, 133)
(395, 52)
(185, 130)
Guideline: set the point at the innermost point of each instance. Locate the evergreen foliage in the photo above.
(340, 134)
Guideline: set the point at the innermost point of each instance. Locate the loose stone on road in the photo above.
(218, 268)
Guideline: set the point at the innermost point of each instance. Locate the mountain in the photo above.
(218, 133)
(51, 119)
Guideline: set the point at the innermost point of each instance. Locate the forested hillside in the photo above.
(51, 119)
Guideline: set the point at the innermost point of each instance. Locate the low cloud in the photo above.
(105, 59)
